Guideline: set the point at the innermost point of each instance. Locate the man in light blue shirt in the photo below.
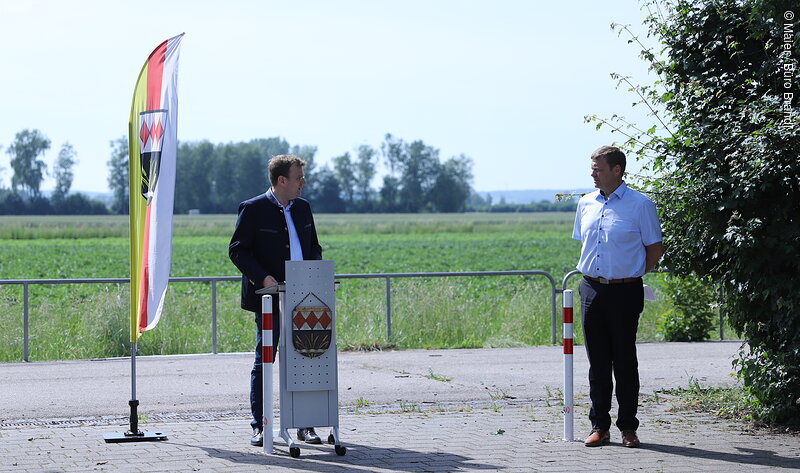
(621, 241)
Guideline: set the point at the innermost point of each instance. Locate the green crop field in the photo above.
(91, 320)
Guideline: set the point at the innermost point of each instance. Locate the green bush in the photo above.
(725, 175)
(691, 317)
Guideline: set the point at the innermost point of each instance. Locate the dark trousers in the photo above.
(256, 389)
(610, 316)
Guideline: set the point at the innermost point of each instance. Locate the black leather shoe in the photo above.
(308, 435)
(257, 440)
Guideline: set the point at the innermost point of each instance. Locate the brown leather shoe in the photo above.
(597, 438)
(629, 439)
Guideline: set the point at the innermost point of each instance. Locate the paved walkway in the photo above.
(493, 415)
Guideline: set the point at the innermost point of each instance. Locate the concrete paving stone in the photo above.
(431, 440)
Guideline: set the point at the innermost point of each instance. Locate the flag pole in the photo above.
(134, 403)
(152, 152)
(134, 434)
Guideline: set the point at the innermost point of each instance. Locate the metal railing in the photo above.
(26, 283)
(721, 314)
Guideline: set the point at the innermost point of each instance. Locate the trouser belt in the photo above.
(613, 281)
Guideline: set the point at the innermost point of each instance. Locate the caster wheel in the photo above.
(340, 450)
(294, 452)
(331, 439)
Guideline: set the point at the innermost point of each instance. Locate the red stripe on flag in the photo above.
(567, 315)
(155, 73)
(144, 286)
(567, 346)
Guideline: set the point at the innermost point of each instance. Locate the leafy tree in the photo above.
(229, 168)
(249, 164)
(392, 150)
(364, 171)
(62, 171)
(328, 195)
(118, 175)
(390, 196)
(344, 171)
(308, 153)
(12, 204)
(37, 205)
(193, 179)
(451, 189)
(78, 204)
(240, 169)
(725, 148)
(419, 168)
(29, 171)
(418, 181)
(414, 166)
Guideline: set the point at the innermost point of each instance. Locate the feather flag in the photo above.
(152, 147)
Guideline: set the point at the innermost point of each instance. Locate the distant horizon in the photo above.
(512, 196)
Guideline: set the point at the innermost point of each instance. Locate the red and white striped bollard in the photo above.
(266, 372)
(568, 401)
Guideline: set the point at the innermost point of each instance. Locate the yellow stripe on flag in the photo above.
(136, 200)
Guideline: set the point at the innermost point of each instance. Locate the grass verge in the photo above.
(728, 402)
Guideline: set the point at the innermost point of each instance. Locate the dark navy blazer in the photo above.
(260, 243)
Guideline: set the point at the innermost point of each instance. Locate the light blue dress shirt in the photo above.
(295, 249)
(614, 233)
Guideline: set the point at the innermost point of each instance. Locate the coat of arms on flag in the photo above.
(152, 128)
(312, 322)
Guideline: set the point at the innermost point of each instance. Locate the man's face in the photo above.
(605, 177)
(295, 182)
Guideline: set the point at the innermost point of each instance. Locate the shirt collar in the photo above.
(271, 197)
(619, 191)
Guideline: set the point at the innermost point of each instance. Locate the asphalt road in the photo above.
(213, 385)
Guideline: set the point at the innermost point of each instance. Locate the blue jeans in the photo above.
(256, 394)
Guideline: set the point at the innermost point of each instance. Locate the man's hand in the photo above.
(270, 281)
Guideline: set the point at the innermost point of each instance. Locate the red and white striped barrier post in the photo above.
(568, 424)
(266, 371)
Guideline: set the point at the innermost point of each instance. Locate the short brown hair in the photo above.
(612, 154)
(281, 164)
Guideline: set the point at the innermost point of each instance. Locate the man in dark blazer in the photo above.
(271, 229)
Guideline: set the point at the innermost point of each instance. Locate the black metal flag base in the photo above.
(134, 434)
(137, 437)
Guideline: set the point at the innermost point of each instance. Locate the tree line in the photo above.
(25, 196)
(214, 178)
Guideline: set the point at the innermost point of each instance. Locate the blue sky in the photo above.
(506, 82)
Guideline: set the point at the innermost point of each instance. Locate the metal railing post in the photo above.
(25, 322)
(214, 316)
(552, 308)
(388, 309)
